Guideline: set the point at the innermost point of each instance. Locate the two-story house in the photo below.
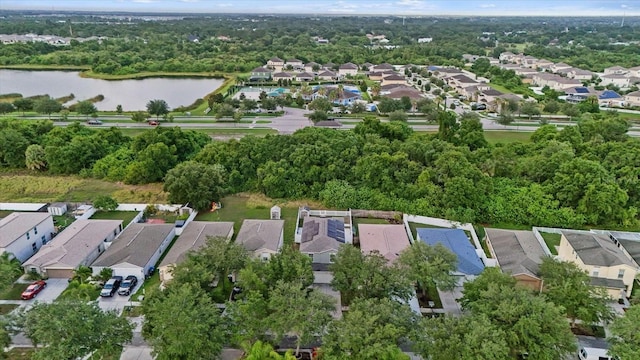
(23, 233)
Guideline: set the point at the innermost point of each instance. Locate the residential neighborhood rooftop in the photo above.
(321, 234)
(456, 241)
(517, 251)
(389, 240)
(260, 234)
(74, 244)
(17, 224)
(193, 237)
(597, 250)
(135, 245)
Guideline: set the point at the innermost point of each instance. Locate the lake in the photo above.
(131, 94)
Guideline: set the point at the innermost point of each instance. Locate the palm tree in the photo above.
(82, 273)
(375, 89)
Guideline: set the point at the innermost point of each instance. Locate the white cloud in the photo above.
(486, 6)
(144, 1)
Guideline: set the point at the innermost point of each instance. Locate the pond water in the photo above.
(131, 94)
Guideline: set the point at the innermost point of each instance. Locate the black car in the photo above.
(111, 286)
(128, 285)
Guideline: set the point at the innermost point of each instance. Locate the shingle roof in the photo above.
(389, 240)
(321, 234)
(393, 77)
(631, 243)
(517, 251)
(457, 241)
(607, 283)
(492, 92)
(74, 244)
(260, 234)
(193, 237)
(464, 78)
(276, 59)
(260, 70)
(384, 66)
(349, 66)
(305, 75)
(281, 74)
(136, 245)
(596, 250)
(17, 224)
(327, 73)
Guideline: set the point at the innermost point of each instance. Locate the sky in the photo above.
(347, 7)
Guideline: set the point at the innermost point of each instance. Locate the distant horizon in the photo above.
(453, 8)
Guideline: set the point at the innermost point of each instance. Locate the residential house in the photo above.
(136, 251)
(193, 237)
(618, 80)
(525, 72)
(470, 58)
(263, 238)
(579, 93)
(294, 64)
(321, 237)
(473, 92)
(388, 89)
(311, 67)
(488, 96)
(507, 56)
(347, 98)
(348, 69)
(517, 253)
(632, 98)
(554, 81)
(389, 240)
(330, 66)
(529, 61)
(459, 82)
(609, 98)
(260, 74)
(327, 75)
(383, 67)
(556, 68)
(544, 65)
(469, 263)
(282, 76)
(634, 71)
(378, 76)
(615, 70)
(366, 66)
(607, 264)
(404, 91)
(23, 233)
(443, 72)
(394, 79)
(79, 244)
(580, 74)
(304, 76)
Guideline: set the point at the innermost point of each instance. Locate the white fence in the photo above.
(186, 222)
(87, 214)
(406, 219)
(22, 206)
(141, 207)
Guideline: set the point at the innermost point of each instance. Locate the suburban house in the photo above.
(304, 76)
(507, 56)
(263, 238)
(137, 250)
(294, 64)
(389, 240)
(23, 233)
(580, 74)
(327, 75)
(556, 68)
(442, 72)
(607, 264)
(260, 74)
(79, 244)
(311, 67)
(609, 98)
(282, 76)
(378, 76)
(554, 81)
(193, 237)
(469, 263)
(394, 79)
(383, 67)
(321, 238)
(544, 65)
(517, 253)
(632, 98)
(347, 98)
(404, 91)
(348, 69)
(618, 80)
(635, 71)
(275, 63)
(615, 70)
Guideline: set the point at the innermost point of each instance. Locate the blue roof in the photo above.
(582, 90)
(455, 240)
(609, 94)
(433, 68)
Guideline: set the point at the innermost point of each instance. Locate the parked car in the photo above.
(153, 123)
(33, 290)
(128, 285)
(111, 286)
(94, 122)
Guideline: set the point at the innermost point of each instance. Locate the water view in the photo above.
(131, 94)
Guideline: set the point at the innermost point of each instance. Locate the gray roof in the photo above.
(318, 235)
(607, 283)
(260, 234)
(517, 251)
(136, 245)
(596, 250)
(193, 237)
(72, 246)
(394, 77)
(349, 66)
(327, 73)
(17, 224)
(631, 243)
(592, 342)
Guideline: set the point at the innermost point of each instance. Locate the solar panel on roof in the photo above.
(582, 90)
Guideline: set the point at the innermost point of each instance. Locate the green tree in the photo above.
(10, 270)
(157, 107)
(551, 107)
(530, 108)
(47, 106)
(264, 351)
(119, 109)
(13, 146)
(195, 183)
(321, 104)
(86, 108)
(35, 157)
(71, 329)
(398, 115)
(566, 285)
(505, 118)
(182, 322)
(429, 266)
(473, 290)
(447, 125)
(6, 107)
(464, 338)
(294, 310)
(370, 328)
(105, 202)
(624, 340)
(318, 115)
(23, 104)
(82, 274)
(249, 317)
(140, 116)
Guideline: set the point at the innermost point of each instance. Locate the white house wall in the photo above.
(22, 248)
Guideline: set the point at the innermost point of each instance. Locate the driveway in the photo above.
(54, 288)
(117, 302)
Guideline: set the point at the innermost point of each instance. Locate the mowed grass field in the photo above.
(494, 137)
(38, 188)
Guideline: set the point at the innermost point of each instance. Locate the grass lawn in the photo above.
(63, 220)
(7, 308)
(494, 137)
(25, 187)
(5, 213)
(132, 311)
(13, 292)
(552, 240)
(209, 131)
(125, 216)
(20, 354)
(238, 207)
(500, 88)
